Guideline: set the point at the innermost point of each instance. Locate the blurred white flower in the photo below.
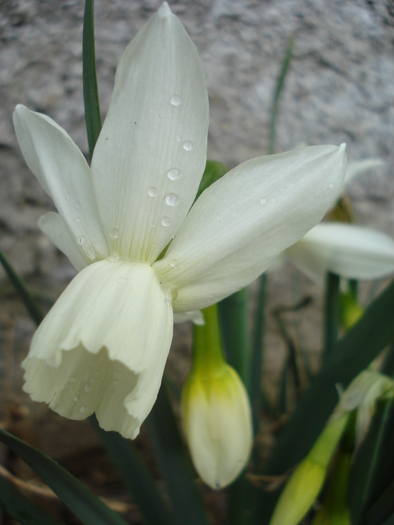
(103, 346)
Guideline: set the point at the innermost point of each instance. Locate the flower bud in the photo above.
(217, 422)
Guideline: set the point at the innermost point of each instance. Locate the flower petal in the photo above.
(55, 228)
(103, 346)
(151, 152)
(196, 317)
(64, 174)
(351, 251)
(243, 221)
(356, 168)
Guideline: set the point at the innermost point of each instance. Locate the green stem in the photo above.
(207, 346)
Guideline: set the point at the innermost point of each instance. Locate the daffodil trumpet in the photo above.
(103, 346)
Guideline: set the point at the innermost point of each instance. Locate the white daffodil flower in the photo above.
(351, 251)
(103, 346)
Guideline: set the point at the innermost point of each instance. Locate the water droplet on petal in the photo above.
(188, 145)
(91, 253)
(178, 138)
(81, 240)
(69, 195)
(176, 100)
(167, 302)
(77, 219)
(263, 200)
(174, 263)
(166, 221)
(82, 410)
(172, 199)
(87, 388)
(174, 174)
(114, 257)
(115, 233)
(76, 398)
(152, 191)
(331, 186)
(77, 204)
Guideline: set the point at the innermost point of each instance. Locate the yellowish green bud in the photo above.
(215, 410)
(308, 478)
(350, 310)
(217, 422)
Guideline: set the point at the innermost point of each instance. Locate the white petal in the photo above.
(243, 221)
(103, 346)
(157, 122)
(63, 172)
(196, 317)
(356, 168)
(55, 228)
(351, 251)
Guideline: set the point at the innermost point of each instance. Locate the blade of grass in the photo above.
(85, 505)
(174, 464)
(277, 93)
(331, 313)
(27, 297)
(135, 476)
(90, 91)
(20, 508)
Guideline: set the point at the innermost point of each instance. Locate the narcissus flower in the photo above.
(103, 346)
(348, 250)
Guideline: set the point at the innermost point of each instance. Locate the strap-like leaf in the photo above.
(174, 465)
(17, 506)
(135, 476)
(90, 92)
(85, 505)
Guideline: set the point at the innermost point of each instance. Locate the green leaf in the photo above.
(85, 505)
(214, 171)
(331, 313)
(90, 92)
(174, 464)
(20, 508)
(28, 299)
(135, 476)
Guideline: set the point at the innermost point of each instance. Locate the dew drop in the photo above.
(188, 145)
(176, 100)
(69, 195)
(178, 138)
(91, 253)
(174, 174)
(331, 186)
(152, 224)
(172, 199)
(81, 240)
(174, 263)
(87, 388)
(114, 257)
(77, 205)
(115, 233)
(274, 200)
(77, 219)
(167, 302)
(82, 410)
(263, 200)
(152, 191)
(166, 221)
(76, 398)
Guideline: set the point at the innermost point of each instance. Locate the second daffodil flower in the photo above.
(103, 346)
